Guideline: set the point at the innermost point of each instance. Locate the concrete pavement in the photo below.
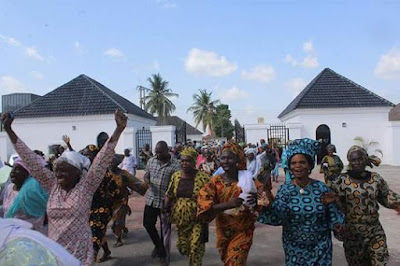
(267, 245)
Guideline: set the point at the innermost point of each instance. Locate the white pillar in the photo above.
(165, 133)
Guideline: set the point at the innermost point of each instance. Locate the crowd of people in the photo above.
(70, 201)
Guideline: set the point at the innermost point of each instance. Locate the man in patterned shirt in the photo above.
(159, 170)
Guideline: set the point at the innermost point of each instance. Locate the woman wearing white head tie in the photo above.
(71, 187)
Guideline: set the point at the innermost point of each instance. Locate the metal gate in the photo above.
(143, 137)
(180, 133)
(278, 134)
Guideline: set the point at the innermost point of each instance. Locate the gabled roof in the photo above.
(331, 90)
(178, 123)
(78, 97)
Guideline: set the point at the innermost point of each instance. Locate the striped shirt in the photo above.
(158, 175)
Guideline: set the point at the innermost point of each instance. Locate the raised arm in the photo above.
(35, 163)
(104, 157)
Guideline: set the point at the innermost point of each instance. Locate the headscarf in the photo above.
(75, 159)
(31, 200)
(251, 150)
(331, 147)
(370, 160)
(190, 152)
(305, 146)
(21, 163)
(236, 149)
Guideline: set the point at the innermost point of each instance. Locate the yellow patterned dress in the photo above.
(332, 167)
(364, 238)
(183, 215)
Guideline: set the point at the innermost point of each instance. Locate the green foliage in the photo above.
(157, 100)
(222, 122)
(204, 109)
(369, 146)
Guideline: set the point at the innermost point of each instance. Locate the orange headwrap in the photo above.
(236, 149)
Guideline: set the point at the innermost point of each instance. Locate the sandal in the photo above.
(105, 257)
(118, 244)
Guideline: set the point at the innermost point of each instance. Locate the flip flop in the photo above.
(105, 257)
(118, 244)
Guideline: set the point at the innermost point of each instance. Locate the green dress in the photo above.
(184, 216)
(364, 239)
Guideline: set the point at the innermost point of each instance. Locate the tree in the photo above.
(157, 100)
(239, 132)
(368, 145)
(204, 109)
(222, 122)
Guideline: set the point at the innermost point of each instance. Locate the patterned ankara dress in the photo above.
(334, 169)
(306, 222)
(101, 211)
(183, 215)
(68, 212)
(364, 239)
(234, 230)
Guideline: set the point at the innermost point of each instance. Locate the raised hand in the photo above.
(121, 119)
(66, 139)
(7, 119)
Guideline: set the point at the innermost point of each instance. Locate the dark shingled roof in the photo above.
(78, 97)
(178, 122)
(331, 90)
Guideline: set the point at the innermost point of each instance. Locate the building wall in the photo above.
(196, 137)
(255, 132)
(369, 123)
(41, 133)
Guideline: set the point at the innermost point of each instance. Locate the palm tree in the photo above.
(157, 101)
(368, 145)
(203, 109)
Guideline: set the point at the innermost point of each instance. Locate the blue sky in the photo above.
(254, 55)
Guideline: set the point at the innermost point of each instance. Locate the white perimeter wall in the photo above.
(369, 123)
(255, 132)
(40, 133)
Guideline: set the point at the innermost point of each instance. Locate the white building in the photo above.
(335, 109)
(81, 109)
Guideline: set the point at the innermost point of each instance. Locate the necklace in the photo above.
(303, 186)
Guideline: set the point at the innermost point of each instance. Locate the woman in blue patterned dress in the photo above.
(307, 223)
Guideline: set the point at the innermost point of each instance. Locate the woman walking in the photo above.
(25, 198)
(71, 188)
(359, 193)
(230, 198)
(331, 165)
(181, 199)
(306, 221)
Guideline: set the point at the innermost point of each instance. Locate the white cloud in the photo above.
(167, 3)
(208, 63)
(388, 66)
(114, 53)
(32, 52)
(9, 84)
(234, 94)
(308, 47)
(260, 73)
(295, 86)
(37, 75)
(309, 61)
(78, 46)
(29, 51)
(156, 65)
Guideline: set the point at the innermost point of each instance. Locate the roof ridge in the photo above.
(361, 87)
(103, 92)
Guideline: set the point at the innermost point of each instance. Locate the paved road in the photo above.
(267, 244)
